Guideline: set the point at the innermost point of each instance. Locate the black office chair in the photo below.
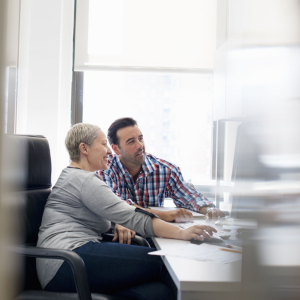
(36, 191)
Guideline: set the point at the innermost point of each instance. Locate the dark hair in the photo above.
(115, 126)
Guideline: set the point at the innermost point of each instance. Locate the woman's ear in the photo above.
(83, 148)
(116, 149)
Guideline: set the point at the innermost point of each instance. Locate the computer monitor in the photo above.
(247, 170)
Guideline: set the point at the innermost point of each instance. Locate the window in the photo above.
(152, 61)
(173, 110)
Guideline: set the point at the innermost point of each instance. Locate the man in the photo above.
(143, 180)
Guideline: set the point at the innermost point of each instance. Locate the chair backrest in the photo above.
(36, 190)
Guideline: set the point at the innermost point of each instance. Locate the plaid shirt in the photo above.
(157, 180)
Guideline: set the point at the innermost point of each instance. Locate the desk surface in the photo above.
(192, 276)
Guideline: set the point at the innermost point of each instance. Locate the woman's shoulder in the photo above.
(82, 174)
(85, 177)
(78, 180)
(77, 175)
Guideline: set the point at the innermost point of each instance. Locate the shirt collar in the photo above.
(147, 168)
(116, 161)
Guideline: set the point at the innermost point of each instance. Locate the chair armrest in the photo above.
(137, 240)
(75, 261)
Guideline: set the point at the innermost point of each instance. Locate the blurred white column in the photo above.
(9, 223)
(45, 74)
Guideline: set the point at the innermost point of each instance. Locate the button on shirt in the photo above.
(157, 180)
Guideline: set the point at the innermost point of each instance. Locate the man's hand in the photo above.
(211, 213)
(124, 234)
(179, 215)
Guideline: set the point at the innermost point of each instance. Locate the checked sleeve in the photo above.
(185, 196)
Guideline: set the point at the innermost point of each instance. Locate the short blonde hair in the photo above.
(80, 133)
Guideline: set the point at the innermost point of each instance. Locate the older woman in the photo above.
(81, 207)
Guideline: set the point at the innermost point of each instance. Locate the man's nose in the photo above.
(140, 144)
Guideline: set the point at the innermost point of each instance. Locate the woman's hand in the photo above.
(198, 232)
(170, 231)
(124, 234)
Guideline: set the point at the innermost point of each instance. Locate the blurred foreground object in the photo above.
(10, 157)
(257, 97)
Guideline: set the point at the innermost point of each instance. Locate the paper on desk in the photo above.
(203, 252)
(195, 214)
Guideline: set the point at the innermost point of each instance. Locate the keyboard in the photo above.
(222, 234)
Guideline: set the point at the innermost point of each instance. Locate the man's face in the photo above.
(131, 149)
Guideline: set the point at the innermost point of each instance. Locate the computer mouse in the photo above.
(212, 240)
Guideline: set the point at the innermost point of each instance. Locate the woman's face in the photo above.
(98, 153)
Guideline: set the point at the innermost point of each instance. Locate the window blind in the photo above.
(167, 34)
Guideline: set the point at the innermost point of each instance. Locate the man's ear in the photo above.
(115, 148)
(83, 148)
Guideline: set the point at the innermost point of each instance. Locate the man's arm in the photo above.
(180, 215)
(187, 197)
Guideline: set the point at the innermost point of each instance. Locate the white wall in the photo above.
(45, 73)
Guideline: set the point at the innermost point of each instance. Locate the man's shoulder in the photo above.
(112, 160)
(161, 163)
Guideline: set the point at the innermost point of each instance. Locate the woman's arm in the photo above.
(99, 198)
(167, 230)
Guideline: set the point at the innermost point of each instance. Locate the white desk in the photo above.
(197, 280)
